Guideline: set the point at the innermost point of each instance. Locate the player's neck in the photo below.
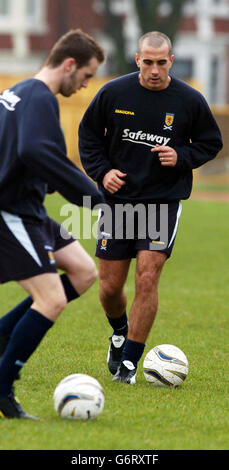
(51, 77)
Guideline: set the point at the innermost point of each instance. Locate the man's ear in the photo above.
(172, 59)
(137, 59)
(69, 64)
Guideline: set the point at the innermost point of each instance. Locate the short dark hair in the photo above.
(77, 45)
(155, 39)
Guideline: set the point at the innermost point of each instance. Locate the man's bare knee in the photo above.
(82, 279)
(148, 279)
(145, 282)
(58, 304)
(149, 270)
(51, 307)
(109, 288)
(47, 293)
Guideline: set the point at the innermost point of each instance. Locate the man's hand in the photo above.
(112, 181)
(167, 155)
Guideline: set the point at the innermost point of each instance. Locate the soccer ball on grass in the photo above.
(165, 365)
(79, 397)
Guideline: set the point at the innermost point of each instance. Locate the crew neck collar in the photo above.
(155, 91)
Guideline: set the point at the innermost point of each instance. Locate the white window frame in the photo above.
(31, 24)
(37, 20)
(5, 17)
(1, 14)
(219, 9)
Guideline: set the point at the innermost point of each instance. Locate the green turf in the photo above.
(193, 314)
(212, 187)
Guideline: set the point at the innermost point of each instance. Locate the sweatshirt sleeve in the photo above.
(205, 138)
(41, 147)
(92, 146)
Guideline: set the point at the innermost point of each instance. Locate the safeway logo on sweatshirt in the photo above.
(9, 100)
(140, 137)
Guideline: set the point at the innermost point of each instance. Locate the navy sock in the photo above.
(25, 338)
(70, 291)
(132, 351)
(119, 325)
(8, 321)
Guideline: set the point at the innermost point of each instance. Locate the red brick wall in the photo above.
(82, 15)
(62, 16)
(5, 41)
(227, 74)
(44, 43)
(221, 25)
(188, 25)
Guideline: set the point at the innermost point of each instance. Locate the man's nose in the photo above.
(154, 69)
(85, 84)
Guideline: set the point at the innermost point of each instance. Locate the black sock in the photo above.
(8, 321)
(25, 338)
(132, 351)
(119, 325)
(70, 291)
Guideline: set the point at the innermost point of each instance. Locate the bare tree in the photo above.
(160, 15)
(114, 29)
(153, 15)
(147, 12)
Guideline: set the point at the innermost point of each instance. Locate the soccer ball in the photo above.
(165, 365)
(79, 397)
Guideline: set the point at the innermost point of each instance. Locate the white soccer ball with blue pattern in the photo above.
(165, 365)
(79, 397)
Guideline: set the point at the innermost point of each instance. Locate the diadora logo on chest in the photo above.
(169, 118)
(9, 100)
(140, 137)
(125, 111)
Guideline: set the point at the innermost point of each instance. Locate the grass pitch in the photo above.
(193, 315)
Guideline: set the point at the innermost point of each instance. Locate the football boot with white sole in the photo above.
(114, 355)
(126, 373)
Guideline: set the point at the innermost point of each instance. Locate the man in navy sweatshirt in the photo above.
(32, 248)
(140, 139)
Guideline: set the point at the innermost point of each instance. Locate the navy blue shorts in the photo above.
(122, 233)
(27, 247)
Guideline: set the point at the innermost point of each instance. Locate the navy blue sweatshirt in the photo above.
(125, 120)
(33, 153)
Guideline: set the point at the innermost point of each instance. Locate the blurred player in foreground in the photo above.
(140, 139)
(33, 157)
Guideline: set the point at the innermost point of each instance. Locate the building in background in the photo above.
(202, 47)
(21, 23)
(28, 28)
